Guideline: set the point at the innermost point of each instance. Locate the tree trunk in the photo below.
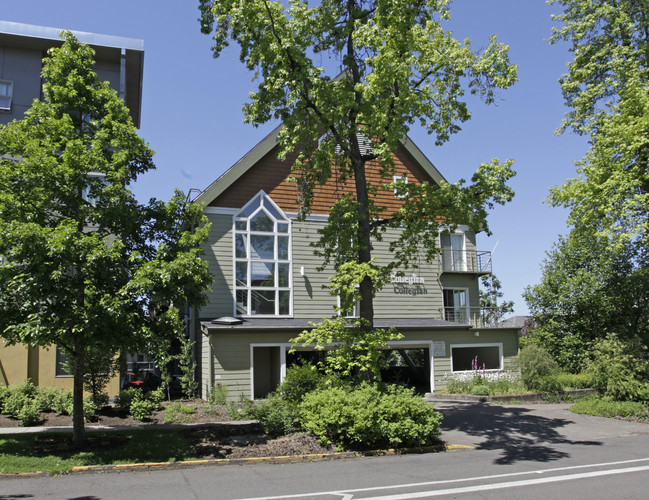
(364, 242)
(78, 423)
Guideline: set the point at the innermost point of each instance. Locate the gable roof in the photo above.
(252, 157)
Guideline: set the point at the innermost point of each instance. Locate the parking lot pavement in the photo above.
(527, 428)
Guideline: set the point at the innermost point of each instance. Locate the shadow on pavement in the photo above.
(518, 434)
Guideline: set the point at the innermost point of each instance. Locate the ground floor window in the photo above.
(62, 368)
(467, 357)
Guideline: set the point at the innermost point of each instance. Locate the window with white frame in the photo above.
(399, 188)
(6, 94)
(469, 357)
(453, 252)
(96, 182)
(262, 259)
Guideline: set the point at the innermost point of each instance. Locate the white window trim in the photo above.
(487, 344)
(464, 256)
(275, 260)
(283, 349)
(397, 178)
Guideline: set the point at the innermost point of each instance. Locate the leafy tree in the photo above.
(588, 289)
(490, 294)
(88, 268)
(607, 91)
(396, 66)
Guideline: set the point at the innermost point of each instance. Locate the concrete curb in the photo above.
(248, 461)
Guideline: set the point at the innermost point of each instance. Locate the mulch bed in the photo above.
(208, 439)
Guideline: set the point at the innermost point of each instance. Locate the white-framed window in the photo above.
(399, 191)
(468, 357)
(353, 313)
(262, 259)
(456, 305)
(6, 94)
(98, 181)
(453, 252)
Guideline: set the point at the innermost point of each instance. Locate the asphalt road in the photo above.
(531, 451)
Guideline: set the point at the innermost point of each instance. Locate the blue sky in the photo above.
(191, 111)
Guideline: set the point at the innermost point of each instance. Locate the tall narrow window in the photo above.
(262, 259)
(453, 252)
(456, 305)
(6, 94)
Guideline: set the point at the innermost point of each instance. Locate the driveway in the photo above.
(528, 431)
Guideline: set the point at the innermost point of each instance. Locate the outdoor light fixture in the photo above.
(477, 334)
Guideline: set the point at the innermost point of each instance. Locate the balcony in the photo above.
(466, 261)
(477, 317)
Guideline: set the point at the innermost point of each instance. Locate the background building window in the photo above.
(262, 259)
(61, 368)
(6, 94)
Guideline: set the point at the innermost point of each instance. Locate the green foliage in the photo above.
(369, 417)
(141, 409)
(5, 392)
(299, 381)
(187, 365)
(66, 166)
(587, 287)
(607, 407)
(243, 410)
(178, 413)
(606, 91)
(277, 415)
(356, 349)
(124, 399)
(52, 399)
(493, 312)
(138, 404)
(101, 366)
(582, 380)
(483, 385)
(398, 66)
(218, 395)
(537, 368)
(28, 413)
(621, 367)
(89, 408)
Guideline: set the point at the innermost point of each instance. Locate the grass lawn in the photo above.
(600, 406)
(54, 452)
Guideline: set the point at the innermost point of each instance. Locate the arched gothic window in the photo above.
(262, 259)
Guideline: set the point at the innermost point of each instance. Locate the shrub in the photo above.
(125, 398)
(575, 380)
(28, 413)
(620, 368)
(89, 408)
(243, 410)
(277, 415)
(141, 408)
(299, 381)
(218, 395)
(480, 390)
(536, 365)
(367, 417)
(5, 392)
